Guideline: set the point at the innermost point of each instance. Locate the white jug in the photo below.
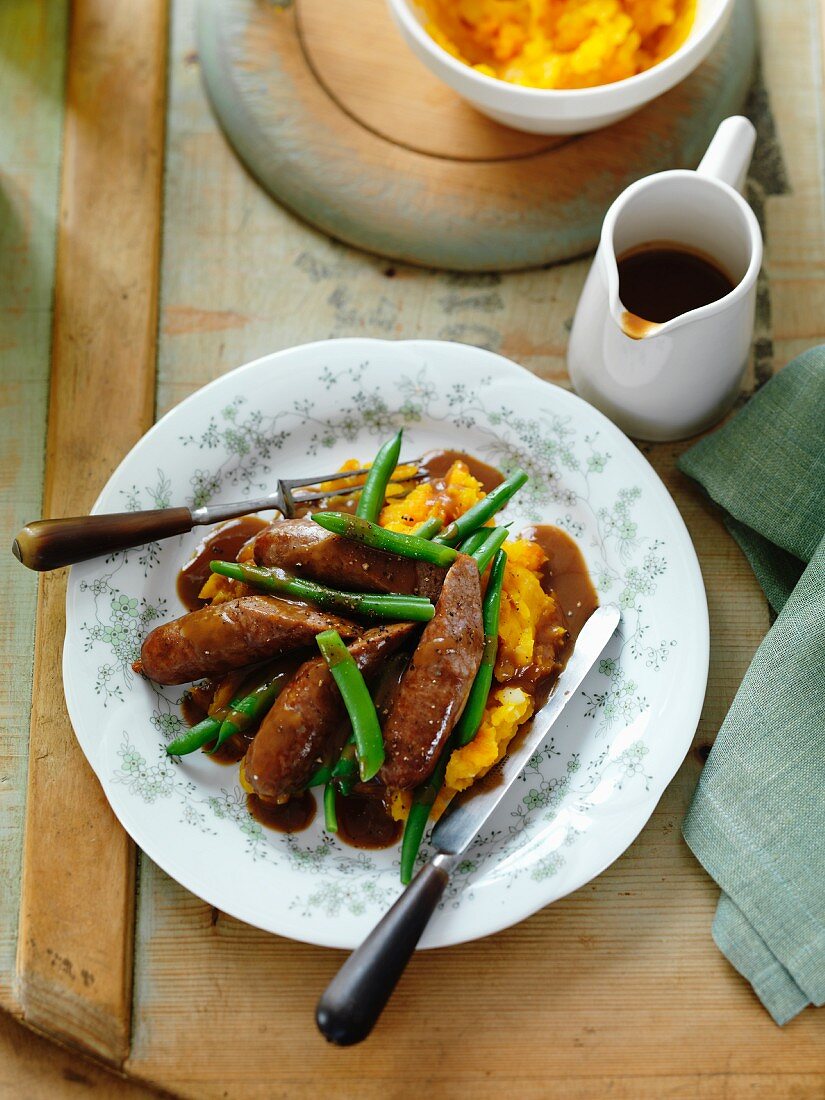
(673, 379)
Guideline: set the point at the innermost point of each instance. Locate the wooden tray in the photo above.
(336, 118)
(616, 990)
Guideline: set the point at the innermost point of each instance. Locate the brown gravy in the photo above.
(661, 280)
(365, 822)
(194, 706)
(232, 751)
(566, 576)
(223, 544)
(290, 817)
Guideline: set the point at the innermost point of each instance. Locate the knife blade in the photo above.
(468, 815)
(356, 996)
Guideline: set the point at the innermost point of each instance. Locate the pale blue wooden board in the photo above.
(362, 189)
(32, 70)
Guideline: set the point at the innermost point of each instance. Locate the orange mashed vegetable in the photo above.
(560, 43)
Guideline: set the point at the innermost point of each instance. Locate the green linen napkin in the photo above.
(757, 821)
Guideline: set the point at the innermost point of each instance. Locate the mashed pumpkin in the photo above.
(560, 43)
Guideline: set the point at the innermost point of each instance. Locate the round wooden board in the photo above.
(338, 121)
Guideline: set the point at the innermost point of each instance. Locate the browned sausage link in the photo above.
(307, 723)
(230, 635)
(305, 548)
(434, 689)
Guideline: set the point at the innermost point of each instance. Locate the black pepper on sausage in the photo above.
(306, 549)
(435, 686)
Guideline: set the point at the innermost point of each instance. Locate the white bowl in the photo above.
(562, 111)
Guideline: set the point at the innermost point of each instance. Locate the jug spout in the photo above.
(637, 328)
(624, 321)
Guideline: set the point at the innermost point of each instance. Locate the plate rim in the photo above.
(494, 920)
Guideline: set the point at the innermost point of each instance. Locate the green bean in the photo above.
(344, 771)
(478, 515)
(493, 541)
(428, 528)
(466, 727)
(330, 816)
(249, 711)
(474, 541)
(198, 736)
(372, 495)
(369, 744)
(319, 777)
(370, 534)
(240, 714)
(374, 605)
(423, 799)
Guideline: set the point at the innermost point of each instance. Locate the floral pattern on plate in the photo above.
(312, 407)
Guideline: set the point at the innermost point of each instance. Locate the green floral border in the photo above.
(563, 472)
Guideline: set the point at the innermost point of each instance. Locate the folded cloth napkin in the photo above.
(757, 821)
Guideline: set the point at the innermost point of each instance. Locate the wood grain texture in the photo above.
(618, 989)
(32, 49)
(384, 87)
(34, 1068)
(353, 164)
(74, 962)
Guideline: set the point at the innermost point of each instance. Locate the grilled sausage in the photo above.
(304, 547)
(435, 686)
(307, 725)
(230, 635)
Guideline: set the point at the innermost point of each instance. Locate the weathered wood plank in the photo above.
(795, 230)
(32, 54)
(617, 989)
(74, 963)
(34, 1068)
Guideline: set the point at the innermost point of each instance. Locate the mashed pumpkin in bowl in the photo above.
(559, 43)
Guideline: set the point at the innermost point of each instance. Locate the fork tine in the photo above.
(299, 482)
(308, 498)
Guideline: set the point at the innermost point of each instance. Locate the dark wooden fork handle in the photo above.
(52, 543)
(356, 996)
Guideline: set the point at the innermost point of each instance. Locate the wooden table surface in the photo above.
(140, 261)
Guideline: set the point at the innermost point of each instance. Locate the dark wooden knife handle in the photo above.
(52, 543)
(355, 998)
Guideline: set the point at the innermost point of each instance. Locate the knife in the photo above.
(356, 996)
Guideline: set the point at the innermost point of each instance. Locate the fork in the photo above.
(52, 543)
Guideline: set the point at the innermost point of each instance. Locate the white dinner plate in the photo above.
(593, 785)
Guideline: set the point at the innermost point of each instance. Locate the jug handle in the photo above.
(729, 153)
